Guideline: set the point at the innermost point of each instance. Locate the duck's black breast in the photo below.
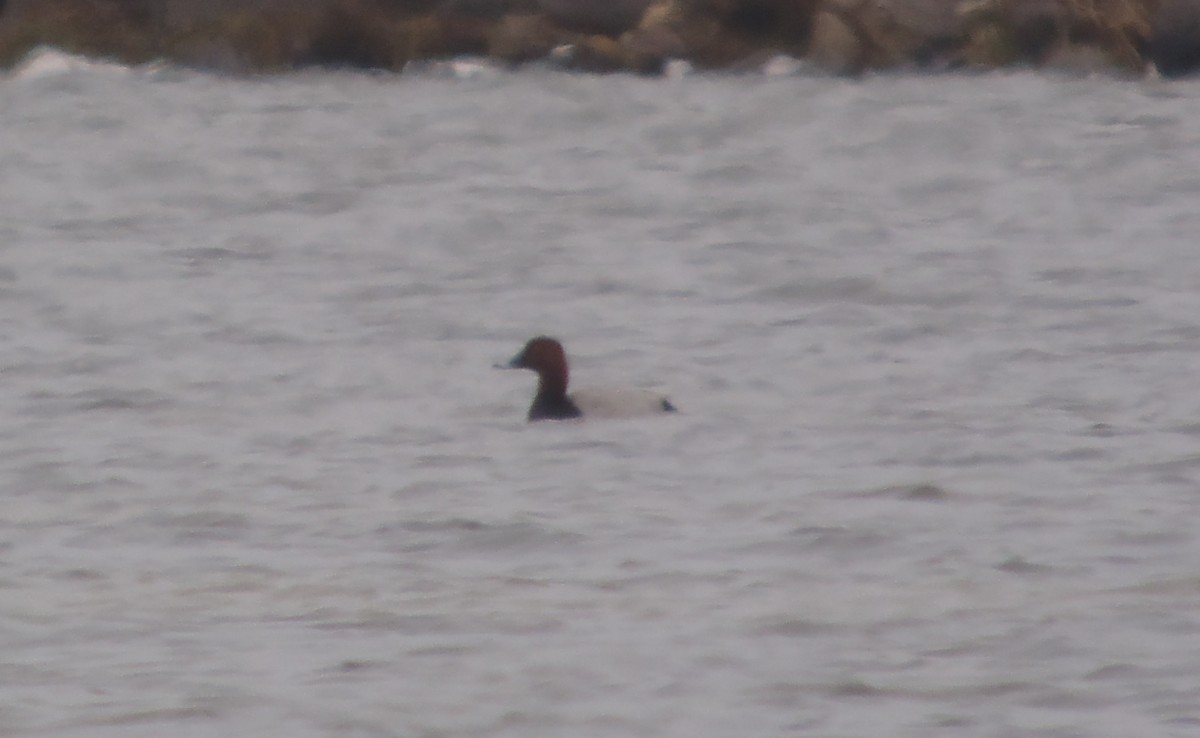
(553, 407)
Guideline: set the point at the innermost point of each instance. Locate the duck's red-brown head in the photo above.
(545, 356)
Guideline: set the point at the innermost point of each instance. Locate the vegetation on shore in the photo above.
(843, 36)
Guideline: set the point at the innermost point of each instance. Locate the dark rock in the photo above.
(409, 8)
(735, 33)
(596, 54)
(352, 34)
(698, 28)
(605, 17)
(835, 44)
(1082, 35)
(1003, 32)
(176, 14)
(649, 49)
(523, 38)
(1174, 44)
(492, 10)
(274, 35)
(850, 36)
(1038, 26)
(782, 23)
(930, 19)
(934, 29)
(117, 30)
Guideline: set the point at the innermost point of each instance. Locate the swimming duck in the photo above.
(545, 356)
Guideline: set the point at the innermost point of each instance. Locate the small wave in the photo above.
(110, 398)
(47, 61)
(782, 65)
(922, 492)
(467, 67)
(677, 69)
(468, 533)
(1020, 565)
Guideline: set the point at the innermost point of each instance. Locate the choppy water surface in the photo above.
(936, 342)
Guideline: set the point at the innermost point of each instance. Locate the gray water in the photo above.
(935, 342)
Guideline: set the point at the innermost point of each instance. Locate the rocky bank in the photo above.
(640, 36)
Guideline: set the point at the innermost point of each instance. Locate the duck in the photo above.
(545, 355)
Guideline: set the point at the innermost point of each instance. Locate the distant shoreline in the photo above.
(1121, 37)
